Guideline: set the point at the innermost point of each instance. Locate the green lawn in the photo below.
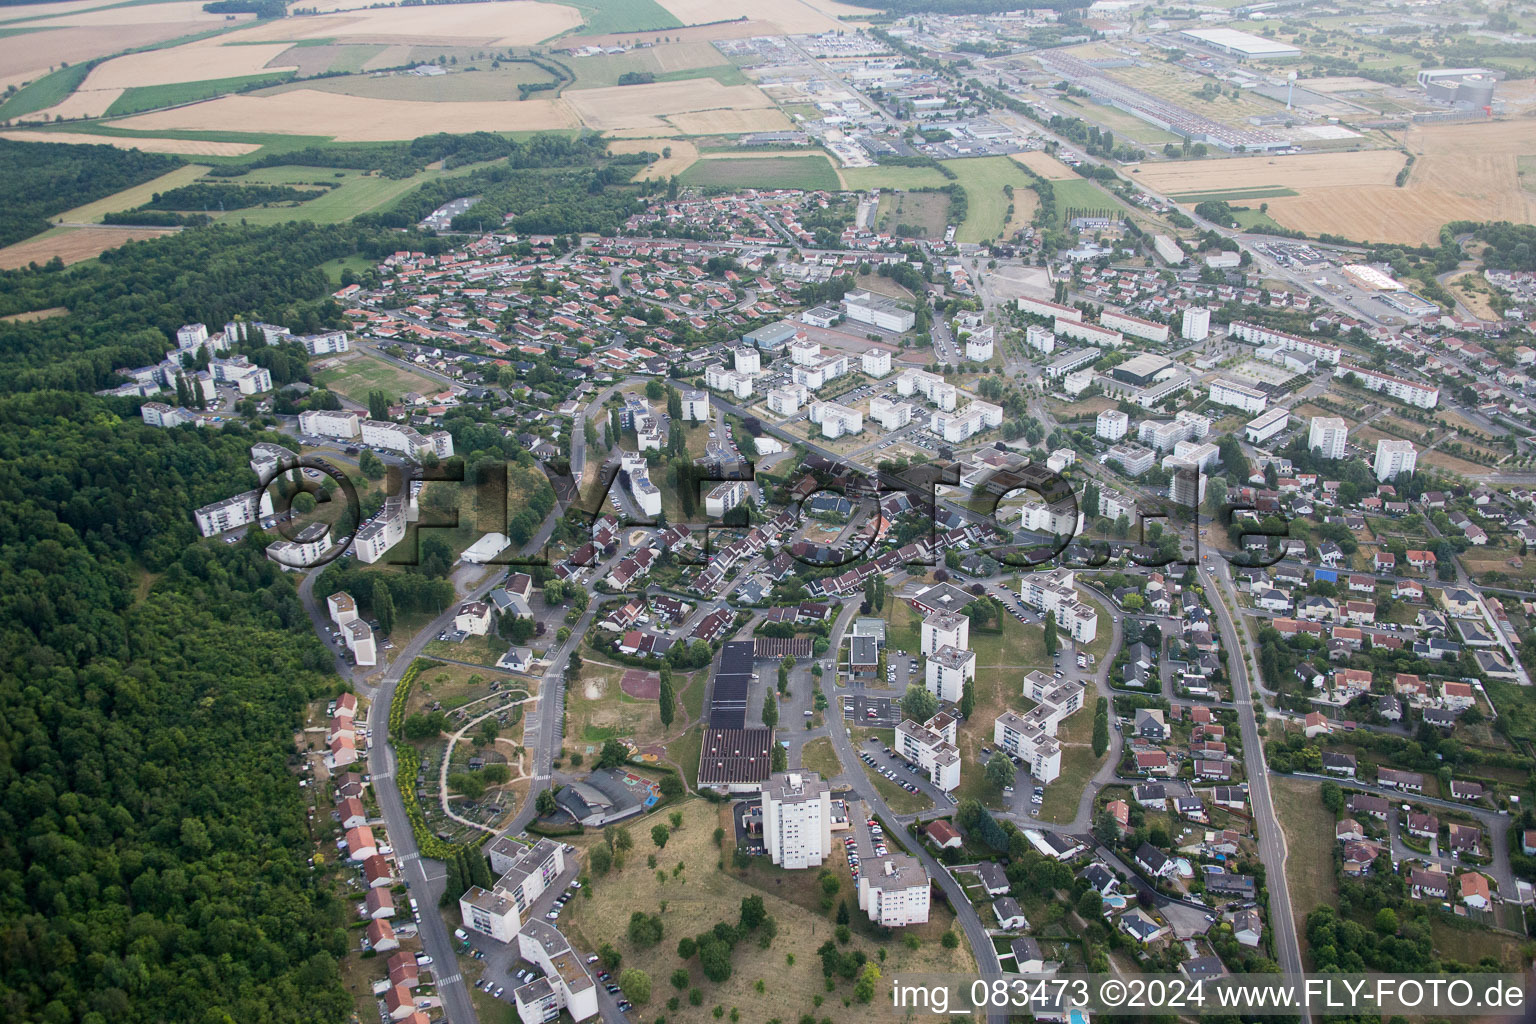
(819, 757)
(984, 179)
(1234, 195)
(1077, 766)
(1309, 871)
(153, 97)
(359, 192)
(807, 172)
(364, 373)
(894, 177)
(356, 264)
(1081, 195)
(129, 198)
(45, 92)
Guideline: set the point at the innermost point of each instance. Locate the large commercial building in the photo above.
(1327, 436)
(1267, 424)
(1243, 45)
(878, 311)
(1422, 395)
(1393, 458)
(797, 819)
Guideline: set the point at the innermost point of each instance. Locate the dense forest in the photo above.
(403, 159)
(125, 306)
(153, 843)
(41, 179)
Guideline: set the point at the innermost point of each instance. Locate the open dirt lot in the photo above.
(793, 17)
(72, 244)
(193, 147)
(684, 153)
(511, 23)
(1462, 172)
(642, 106)
(354, 118)
(1045, 165)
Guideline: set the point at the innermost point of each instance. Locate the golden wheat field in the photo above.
(683, 154)
(1045, 165)
(72, 244)
(497, 23)
(191, 147)
(793, 17)
(643, 106)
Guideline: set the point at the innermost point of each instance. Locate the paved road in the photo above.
(1271, 838)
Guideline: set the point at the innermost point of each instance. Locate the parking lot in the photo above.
(871, 712)
(900, 771)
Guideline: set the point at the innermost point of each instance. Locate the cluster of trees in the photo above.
(40, 179)
(714, 947)
(205, 197)
(466, 868)
(146, 751)
(1509, 246)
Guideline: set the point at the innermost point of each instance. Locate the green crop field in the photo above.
(893, 177)
(153, 97)
(623, 16)
(808, 172)
(1081, 194)
(138, 195)
(1233, 195)
(983, 179)
(357, 193)
(45, 92)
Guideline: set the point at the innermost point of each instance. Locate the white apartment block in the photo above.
(876, 362)
(1111, 425)
(1135, 326)
(797, 819)
(1238, 396)
(804, 352)
(341, 607)
(695, 406)
(1394, 457)
(723, 497)
(1055, 592)
(891, 415)
(748, 360)
(324, 344)
(1185, 426)
(1134, 459)
(191, 337)
(1113, 505)
(386, 530)
(249, 378)
(1264, 336)
(1060, 459)
(233, 513)
(1327, 435)
(1031, 737)
(525, 872)
(1196, 325)
(820, 373)
(787, 400)
(1093, 334)
(1186, 484)
(1200, 454)
(647, 495)
(721, 379)
(1041, 339)
(945, 629)
(359, 638)
(931, 386)
(1058, 699)
(931, 747)
(980, 345)
(975, 418)
(304, 550)
(567, 984)
(836, 420)
(948, 668)
(878, 311)
(399, 437)
(158, 414)
(330, 423)
(1267, 424)
(266, 457)
(1058, 518)
(1421, 395)
(1056, 311)
(893, 891)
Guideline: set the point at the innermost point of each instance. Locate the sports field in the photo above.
(984, 179)
(354, 377)
(808, 172)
